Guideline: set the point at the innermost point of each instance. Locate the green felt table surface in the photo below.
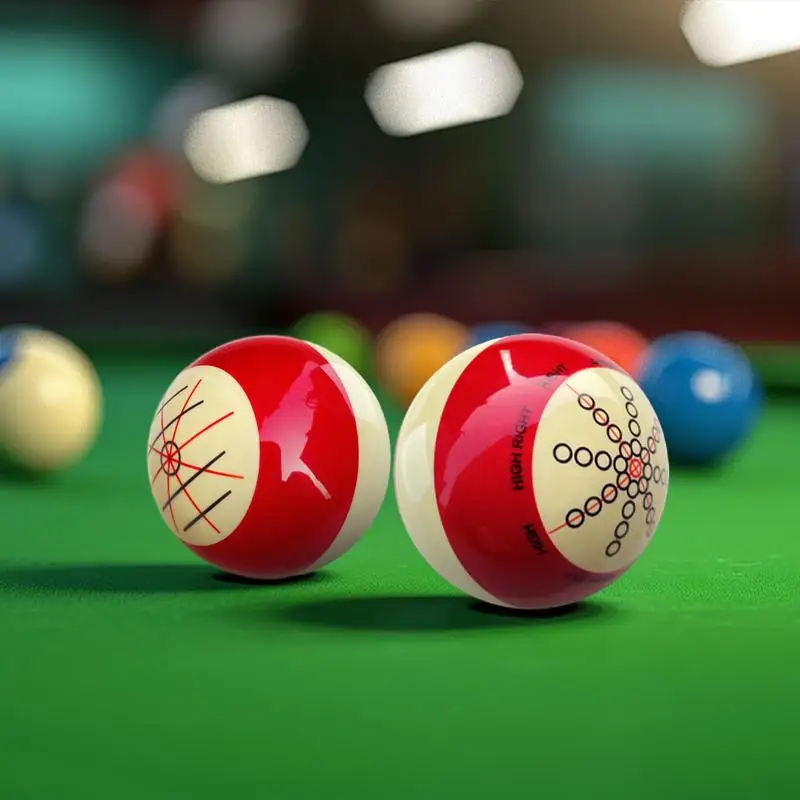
(131, 670)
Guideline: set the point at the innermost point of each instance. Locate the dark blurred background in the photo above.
(171, 169)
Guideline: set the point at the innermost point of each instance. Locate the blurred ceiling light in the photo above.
(726, 32)
(180, 105)
(425, 17)
(258, 136)
(248, 38)
(458, 86)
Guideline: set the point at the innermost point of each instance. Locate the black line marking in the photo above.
(182, 486)
(174, 420)
(204, 512)
(170, 399)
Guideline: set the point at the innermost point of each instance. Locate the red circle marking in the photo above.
(635, 468)
(485, 513)
(308, 456)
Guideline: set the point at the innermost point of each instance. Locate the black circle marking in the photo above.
(651, 444)
(583, 457)
(644, 484)
(621, 531)
(609, 493)
(626, 393)
(632, 410)
(657, 473)
(575, 518)
(647, 471)
(586, 401)
(628, 509)
(614, 433)
(593, 506)
(602, 460)
(562, 453)
(633, 490)
(171, 458)
(625, 450)
(650, 517)
(635, 428)
(620, 465)
(636, 447)
(648, 501)
(613, 547)
(600, 416)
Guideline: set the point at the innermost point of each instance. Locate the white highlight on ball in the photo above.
(203, 455)
(710, 385)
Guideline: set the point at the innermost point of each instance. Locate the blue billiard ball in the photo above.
(706, 394)
(481, 334)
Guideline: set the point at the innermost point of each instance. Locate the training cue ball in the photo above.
(269, 457)
(51, 401)
(531, 472)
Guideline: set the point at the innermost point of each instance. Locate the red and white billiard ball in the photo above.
(269, 457)
(531, 472)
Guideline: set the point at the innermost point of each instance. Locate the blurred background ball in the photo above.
(623, 344)
(480, 334)
(412, 348)
(706, 394)
(50, 400)
(339, 333)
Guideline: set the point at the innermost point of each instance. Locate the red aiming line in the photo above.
(196, 507)
(555, 530)
(215, 472)
(204, 430)
(183, 409)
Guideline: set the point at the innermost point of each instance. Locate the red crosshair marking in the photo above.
(170, 459)
(207, 428)
(174, 461)
(635, 468)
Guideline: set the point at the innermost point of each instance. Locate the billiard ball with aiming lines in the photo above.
(531, 471)
(268, 457)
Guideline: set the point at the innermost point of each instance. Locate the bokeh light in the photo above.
(258, 136)
(452, 87)
(727, 32)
